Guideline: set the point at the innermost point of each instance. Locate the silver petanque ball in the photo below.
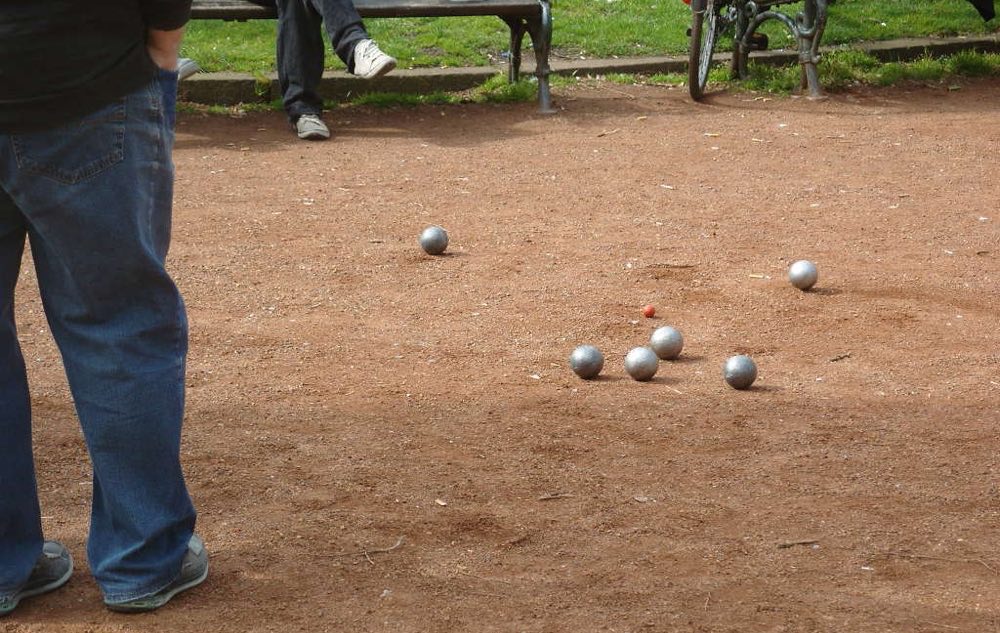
(586, 361)
(641, 363)
(803, 274)
(434, 240)
(740, 371)
(667, 342)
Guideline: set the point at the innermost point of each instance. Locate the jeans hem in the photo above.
(119, 598)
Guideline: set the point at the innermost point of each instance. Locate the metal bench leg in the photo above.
(541, 40)
(806, 28)
(811, 22)
(516, 40)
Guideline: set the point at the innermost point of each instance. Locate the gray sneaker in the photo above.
(194, 571)
(311, 128)
(370, 61)
(186, 67)
(53, 569)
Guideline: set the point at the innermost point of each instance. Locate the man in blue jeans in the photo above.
(86, 177)
(301, 52)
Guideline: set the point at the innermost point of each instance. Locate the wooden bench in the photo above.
(533, 17)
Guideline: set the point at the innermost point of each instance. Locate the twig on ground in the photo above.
(977, 561)
(366, 552)
(689, 518)
(621, 92)
(787, 544)
(944, 626)
(514, 542)
(483, 593)
(670, 265)
(485, 579)
(549, 496)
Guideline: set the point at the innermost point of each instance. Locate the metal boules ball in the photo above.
(586, 361)
(641, 363)
(667, 342)
(803, 274)
(434, 240)
(740, 371)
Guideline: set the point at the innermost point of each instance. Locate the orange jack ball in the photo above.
(648, 311)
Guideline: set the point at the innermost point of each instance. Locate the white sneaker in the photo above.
(310, 127)
(370, 61)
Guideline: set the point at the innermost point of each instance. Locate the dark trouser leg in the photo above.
(300, 55)
(343, 25)
(20, 521)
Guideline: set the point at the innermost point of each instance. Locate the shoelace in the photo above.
(366, 49)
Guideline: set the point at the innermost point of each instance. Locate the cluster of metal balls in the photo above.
(666, 343)
(642, 363)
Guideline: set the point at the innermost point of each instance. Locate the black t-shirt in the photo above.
(62, 59)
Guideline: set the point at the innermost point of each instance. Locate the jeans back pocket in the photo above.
(74, 152)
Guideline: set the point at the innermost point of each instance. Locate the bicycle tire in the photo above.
(704, 33)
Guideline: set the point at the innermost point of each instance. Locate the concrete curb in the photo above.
(234, 88)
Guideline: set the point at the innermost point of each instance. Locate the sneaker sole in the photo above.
(313, 136)
(37, 591)
(155, 602)
(378, 71)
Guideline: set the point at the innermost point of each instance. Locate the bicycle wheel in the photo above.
(707, 25)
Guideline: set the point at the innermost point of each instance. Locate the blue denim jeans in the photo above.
(301, 51)
(94, 198)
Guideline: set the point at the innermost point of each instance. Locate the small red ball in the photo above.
(648, 311)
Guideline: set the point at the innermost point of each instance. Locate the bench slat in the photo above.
(243, 10)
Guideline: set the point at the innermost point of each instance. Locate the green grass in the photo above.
(844, 69)
(581, 29)
(496, 89)
(840, 70)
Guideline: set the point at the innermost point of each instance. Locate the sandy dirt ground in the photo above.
(382, 440)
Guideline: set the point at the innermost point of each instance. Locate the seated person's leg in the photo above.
(300, 53)
(350, 39)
